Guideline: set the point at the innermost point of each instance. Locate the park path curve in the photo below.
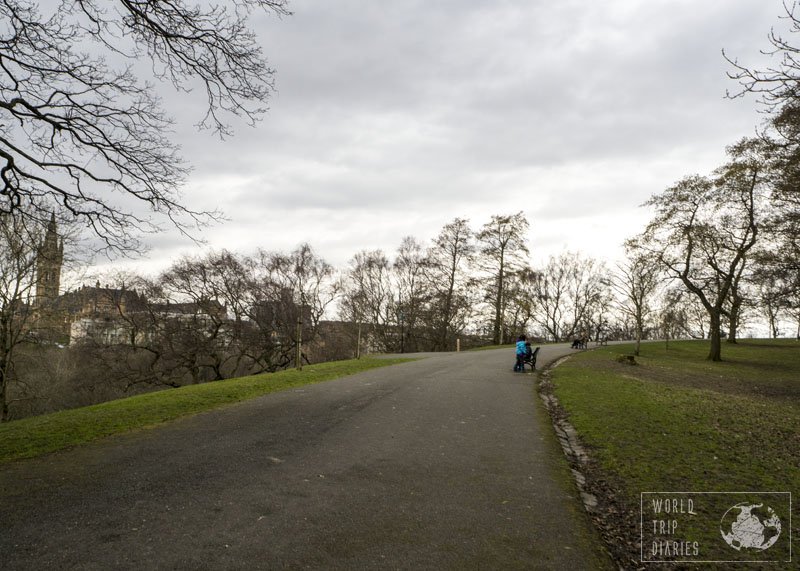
(448, 462)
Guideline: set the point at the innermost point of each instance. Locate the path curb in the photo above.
(567, 436)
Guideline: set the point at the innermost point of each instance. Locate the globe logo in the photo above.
(750, 526)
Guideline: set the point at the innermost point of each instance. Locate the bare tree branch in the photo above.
(80, 134)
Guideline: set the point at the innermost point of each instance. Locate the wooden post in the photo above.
(458, 345)
(358, 342)
(298, 361)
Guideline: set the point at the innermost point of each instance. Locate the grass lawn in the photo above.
(678, 423)
(39, 435)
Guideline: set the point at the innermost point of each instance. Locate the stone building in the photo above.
(102, 314)
(48, 323)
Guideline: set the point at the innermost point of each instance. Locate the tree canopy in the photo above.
(81, 134)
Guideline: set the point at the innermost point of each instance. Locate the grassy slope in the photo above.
(678, 422)
(39, 435)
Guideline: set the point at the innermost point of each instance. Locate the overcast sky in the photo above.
(393, 118)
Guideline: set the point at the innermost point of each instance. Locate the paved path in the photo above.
(444, 463)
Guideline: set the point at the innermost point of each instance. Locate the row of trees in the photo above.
(224, 314)
(431, 295)
(732, 238)
(83, 136)
(418, 302)
(218, 316)
(87, 140)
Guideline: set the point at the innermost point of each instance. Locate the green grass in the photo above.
(677, 422)
(39, 435)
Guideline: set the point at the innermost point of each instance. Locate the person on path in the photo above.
(519, 366)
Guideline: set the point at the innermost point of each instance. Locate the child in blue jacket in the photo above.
(520, 364)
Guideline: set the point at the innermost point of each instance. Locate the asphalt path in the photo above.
(448, 462)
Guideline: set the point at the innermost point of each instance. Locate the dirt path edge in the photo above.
(616, 523)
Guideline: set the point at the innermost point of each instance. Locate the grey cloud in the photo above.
(430, 110)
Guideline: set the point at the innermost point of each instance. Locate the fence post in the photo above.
(298, 361)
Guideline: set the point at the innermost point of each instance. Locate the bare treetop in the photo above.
(81, 136)
(212, 44)
(776, 84)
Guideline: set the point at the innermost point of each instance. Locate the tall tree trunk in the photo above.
(3, 389)
(5, 366)
(498, 307)
(733, 329)
(715, 353)
(444, 329)
(448, 309)
(638, 339)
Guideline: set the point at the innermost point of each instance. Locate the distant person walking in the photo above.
(519, 366)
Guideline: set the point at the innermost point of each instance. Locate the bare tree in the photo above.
(369, 294)
(570, 291)
(520, 303)
(588, 295)
(704, 229)
(152, 353)
(202, 291)
(291, 293)
(78, 133)
(737, 303)
(776, 85)
(771, 299)
(19, 238)
(776, 276)
(551, 287)
(682, 237)
(673, 319)
(409, 273)
(503, 250)
(447, 274)
(635, 281)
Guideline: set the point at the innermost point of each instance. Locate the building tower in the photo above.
(49, 259)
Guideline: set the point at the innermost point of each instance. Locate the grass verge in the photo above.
(39, 435)
(676, 422)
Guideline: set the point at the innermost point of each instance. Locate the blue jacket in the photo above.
(521, 347)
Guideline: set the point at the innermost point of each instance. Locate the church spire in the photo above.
(49, 259)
